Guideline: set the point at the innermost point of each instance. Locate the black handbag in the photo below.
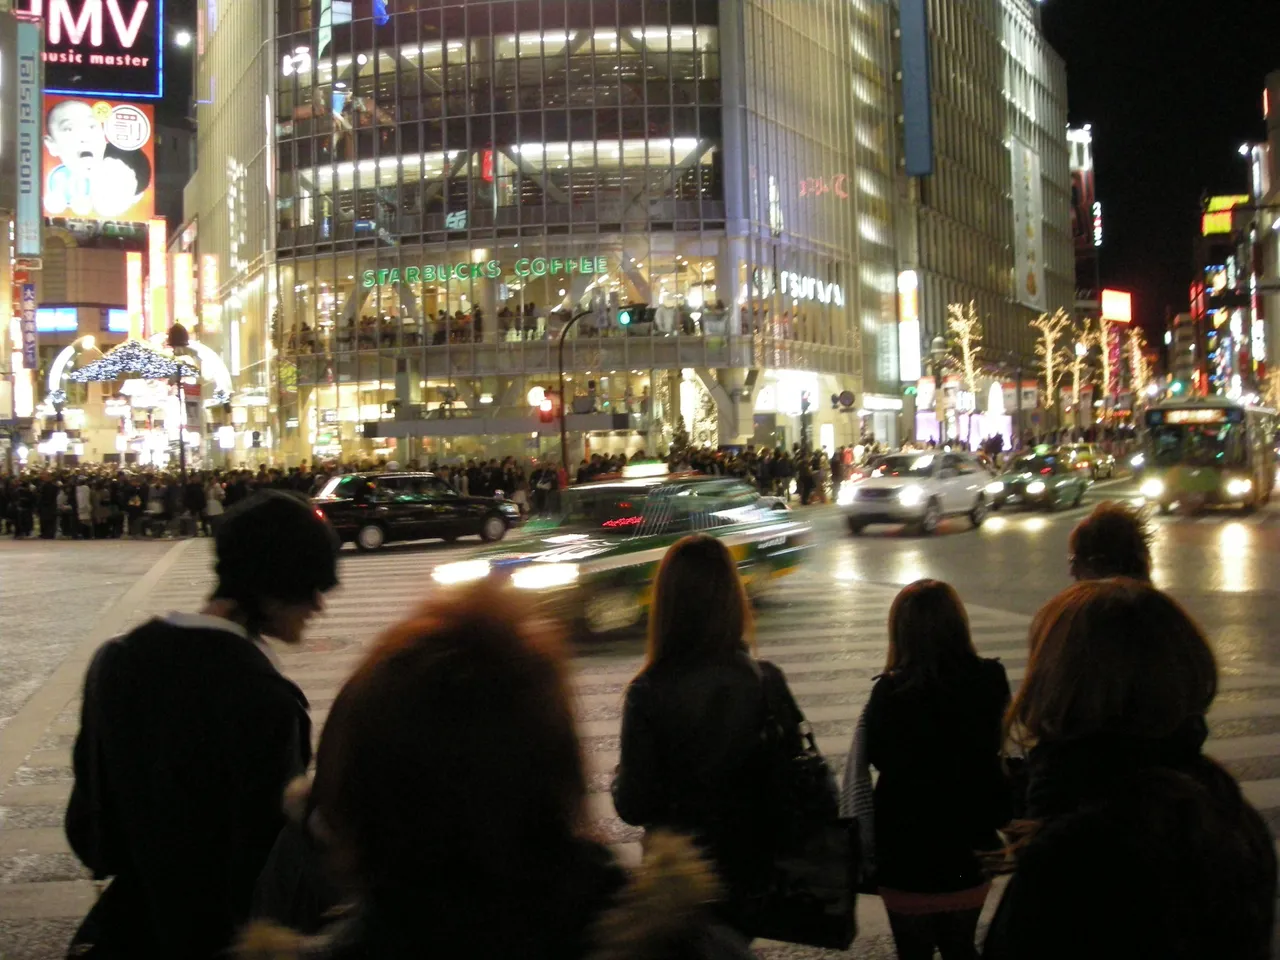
(810, 892)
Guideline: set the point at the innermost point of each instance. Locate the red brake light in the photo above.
(320, 513)
(1045, 470)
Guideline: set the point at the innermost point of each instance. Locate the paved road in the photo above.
(825, 628)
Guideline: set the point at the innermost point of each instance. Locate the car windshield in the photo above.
(657, 508)
(1198, 445)
(341, 486)
(1036, 464)
(920, 465)
(604, 509)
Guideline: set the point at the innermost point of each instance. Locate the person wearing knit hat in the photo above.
(188, 736)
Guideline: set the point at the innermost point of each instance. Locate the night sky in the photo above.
(1172, 89)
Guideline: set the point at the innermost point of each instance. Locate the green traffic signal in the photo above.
(624, 318)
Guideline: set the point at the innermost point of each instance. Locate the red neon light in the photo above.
(486, 166)
(623, 522)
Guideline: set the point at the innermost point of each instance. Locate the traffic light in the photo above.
(547, 407)
(632, 313)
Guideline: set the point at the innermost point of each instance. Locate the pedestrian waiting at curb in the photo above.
(1135, 844)
(448, 806)
(932, 731)
(188, 735)
(1112, 541)
(691, 755)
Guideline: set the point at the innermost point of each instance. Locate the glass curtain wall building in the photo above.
(452, 182)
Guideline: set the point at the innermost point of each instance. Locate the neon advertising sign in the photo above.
(107, 48)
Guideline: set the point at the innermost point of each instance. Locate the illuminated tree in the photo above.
(1084, 344)
(1105, 330)
(964, 324)
(1050, 331)
(1139, 366)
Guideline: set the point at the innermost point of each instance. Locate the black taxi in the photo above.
(373, 509)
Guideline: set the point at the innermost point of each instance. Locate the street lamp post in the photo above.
(938, 357)
(564, 430)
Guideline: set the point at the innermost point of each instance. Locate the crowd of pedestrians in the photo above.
(445, 811)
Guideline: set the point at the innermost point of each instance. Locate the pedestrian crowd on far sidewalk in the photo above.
(444, 811)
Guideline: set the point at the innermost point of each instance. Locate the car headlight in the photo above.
(1239, 487)
(911, 497)
(1152, 489)
(995, 488)
(464, 571)
(848, 493)
(545, 576)
(1035, 488)
(1137, 460)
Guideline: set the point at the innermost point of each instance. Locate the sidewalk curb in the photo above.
(29, 724)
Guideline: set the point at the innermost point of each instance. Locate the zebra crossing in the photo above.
(825, 630)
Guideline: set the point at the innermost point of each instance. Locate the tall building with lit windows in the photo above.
(985, 187)
(400, 204)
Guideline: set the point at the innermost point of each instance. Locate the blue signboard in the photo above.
(28, 219)
(917, 98)
(29, 359)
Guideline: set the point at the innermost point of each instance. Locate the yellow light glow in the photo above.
(86, 343)
(158, 267)
(464, 571)
(184, 289)
(545, 576)
(134, 294)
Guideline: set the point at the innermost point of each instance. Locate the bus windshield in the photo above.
(1199, 445)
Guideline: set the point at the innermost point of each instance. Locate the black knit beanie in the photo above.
(275, 545)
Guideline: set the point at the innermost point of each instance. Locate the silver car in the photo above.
(919, 489)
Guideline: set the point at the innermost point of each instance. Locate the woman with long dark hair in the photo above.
(692, 726)
(932, 730)
(1135, 844)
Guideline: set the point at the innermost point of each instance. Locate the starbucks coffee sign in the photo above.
(489, 270)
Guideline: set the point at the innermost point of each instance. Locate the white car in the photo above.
(918, 489)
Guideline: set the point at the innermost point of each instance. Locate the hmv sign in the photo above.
(111, 48)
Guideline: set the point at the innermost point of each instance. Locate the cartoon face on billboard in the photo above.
(98, 160)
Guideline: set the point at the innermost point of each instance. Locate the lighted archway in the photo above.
(60, 367)
(213, 367)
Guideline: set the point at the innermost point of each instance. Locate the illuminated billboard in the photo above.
(99, 159)
(1117, 306)
(102, 48)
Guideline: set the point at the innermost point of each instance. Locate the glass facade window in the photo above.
(455, 181)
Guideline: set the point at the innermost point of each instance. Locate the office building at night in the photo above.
(398, 211)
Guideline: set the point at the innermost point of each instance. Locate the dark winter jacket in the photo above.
(585, 907)
(692, 760)
(188, 736)
(1146, 849)
(941, 792)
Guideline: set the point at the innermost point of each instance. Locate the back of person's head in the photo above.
(451, 753)
(1112, 541)
(274, 546)
(700, 610)
(1116, 658)
(929, 635)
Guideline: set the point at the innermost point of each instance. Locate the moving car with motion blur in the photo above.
(1206, 452)
(1044, 479)
(1089, 458)
(591, 560)
(918, 489)
(374, 509)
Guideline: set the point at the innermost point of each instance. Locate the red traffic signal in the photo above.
(546, 410)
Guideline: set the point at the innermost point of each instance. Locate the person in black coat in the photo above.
(47, 503)
(933, 731)
(691, 752)
(188, 736)
(1136, 843)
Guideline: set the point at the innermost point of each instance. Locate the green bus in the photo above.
(1208, 451)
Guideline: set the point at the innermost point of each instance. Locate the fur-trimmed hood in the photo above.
(660, 912)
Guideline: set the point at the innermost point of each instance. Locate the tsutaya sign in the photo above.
(811, 288)
(487, 270)
(103, 48)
